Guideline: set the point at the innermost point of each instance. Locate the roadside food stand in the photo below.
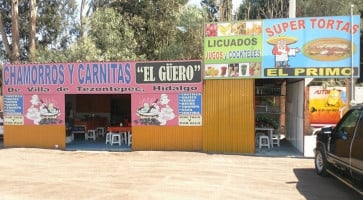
(239, 52)
(186, 105)
(36, 107)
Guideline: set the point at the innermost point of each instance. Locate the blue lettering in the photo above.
(54, 74)
(61, 73)
(80, 78)
(47, 74)
(103, 74)
(120, 75)
(70, 70)
(27, 74)
(128, 73)
(40, 73)
(113, 68)
(88, 75)
(6, 80)
(13, 76)
(95, 73)
(34, 75)
(19, 77)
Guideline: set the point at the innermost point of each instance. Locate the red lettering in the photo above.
(330, 24)
(339, 22)
(301, 23)
(277, 29)
(321, 23)
(293, 25)
(346, 27)
(312, 20)
(285, 26)
(269, 32)
(355, 28)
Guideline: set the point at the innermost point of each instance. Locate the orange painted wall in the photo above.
(35, 136)
(168, 138)
(229, 116)
(228, 123)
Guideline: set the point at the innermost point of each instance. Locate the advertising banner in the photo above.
(326, 106)
(163, 92)
(103, 78)
(314, 47)
(183, 109)
(34, 109)
(233, 50)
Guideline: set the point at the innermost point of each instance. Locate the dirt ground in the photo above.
(29, 174)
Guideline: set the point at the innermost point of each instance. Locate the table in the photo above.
(269, 131)
(124, 130)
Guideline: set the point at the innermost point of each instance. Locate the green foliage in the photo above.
(112, 36)
(115, 30)
(264, 120)
(154, 26)
(55, 25)
(263, 9)
(84, 50)
(311, 8)
(187, 42)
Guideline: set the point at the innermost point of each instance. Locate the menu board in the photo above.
(13, 104)
(189, 109)
(13, 108)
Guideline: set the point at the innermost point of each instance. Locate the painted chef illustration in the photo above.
(158, 112)
(282, 51)
(166, 112)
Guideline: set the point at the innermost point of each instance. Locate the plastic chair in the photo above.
(100, 131)
(264, 141)
(258, 135)
(276, 139)
(130, 139)
(90, 134)
(108, 137)
(116, 138)
(276, 136)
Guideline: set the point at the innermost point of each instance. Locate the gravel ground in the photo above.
(39, 174)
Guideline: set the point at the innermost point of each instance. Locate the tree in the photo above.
(263, 9)
(33, 21)
(188, 40)
(112, 35)
(153, 23)
(26, 25)
(107, 38)
(211, 10)
(12, 50)
(311, 8)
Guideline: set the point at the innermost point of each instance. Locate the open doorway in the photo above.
(270, 108)
(86, 113)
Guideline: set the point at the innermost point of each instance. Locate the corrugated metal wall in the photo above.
(229, 116)
(35, 136)
(172, 138)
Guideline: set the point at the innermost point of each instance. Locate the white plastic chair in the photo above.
(276, 139)
(90, 134)
(116, 138)
(264, 141)
(100, 131)
(258, 135)
(108, 138)
(276, 136)
(130, 139)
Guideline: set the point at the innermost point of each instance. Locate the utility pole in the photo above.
(292, 8)
(352, 88)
